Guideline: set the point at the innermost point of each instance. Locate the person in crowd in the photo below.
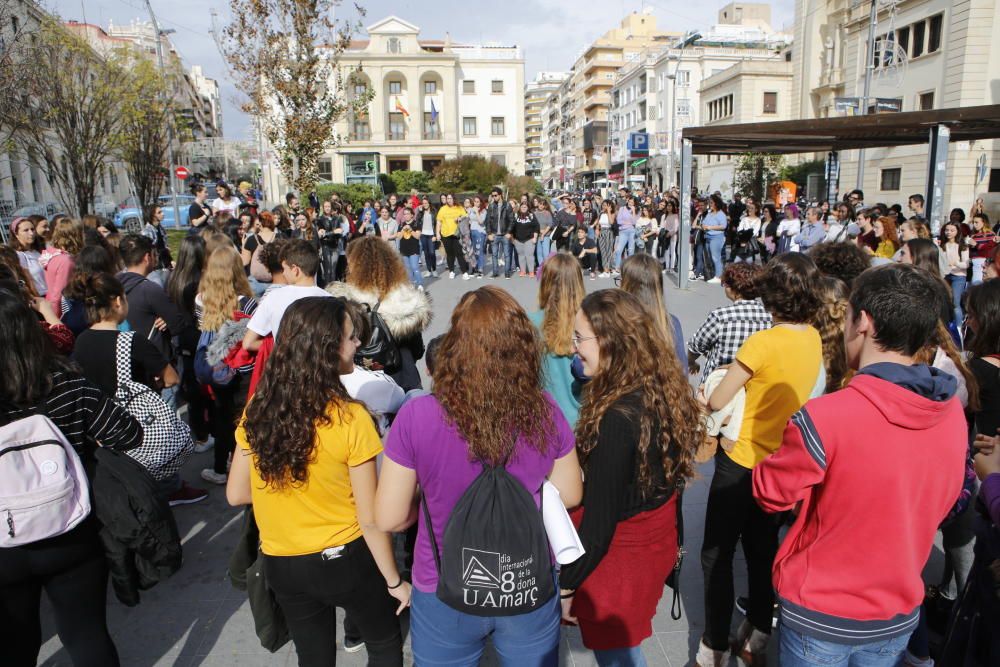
(866, 226)
(813, 232)
(779, 368)
(838, 608)
(584, 248)
(714, 224)
(427, 226)
(524, 234)
(307, 465)
(24, 240)
(224, 295)
(888, 237)
(670, 228)
(625, 220)
(270, 257)
(151, 313)
(543, 213)
(376, 277)
(330, 228)
(499, 223)
(560, 293)
(642, 278)
(303, 228)
(726, 328)
(17, 280)
(924, 254)
(829, 321)
(59, 257)
(199, 213)
(843, 227)
(747, 230)
(606, 236)
(440, 443)
(153, 230)
(379, 392)
(447, 231)
(409, 250)
(768, 232)
(387, 227)
(465, 236)
(70, 568)
(981, 244)
(226, 201)
(265, 233)
(646, 230)
(843, 260)
(956, 253)
(638, 430)
(92, 259)
(788, 230)
(477, 232)
(565, 222)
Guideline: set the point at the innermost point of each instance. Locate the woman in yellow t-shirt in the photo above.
(308, 468)
(778, 367)
(447, 230)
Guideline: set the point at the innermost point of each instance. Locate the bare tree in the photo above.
(16, 36)
(285, 56)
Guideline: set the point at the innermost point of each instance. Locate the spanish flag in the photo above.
(401, 109)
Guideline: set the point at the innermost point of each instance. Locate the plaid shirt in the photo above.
(720, 337)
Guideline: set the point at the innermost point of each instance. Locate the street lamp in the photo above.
(170, 125)
(690, 37)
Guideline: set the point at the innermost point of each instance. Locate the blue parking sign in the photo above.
(638, 143)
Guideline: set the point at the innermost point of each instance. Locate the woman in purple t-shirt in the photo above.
(486, 387)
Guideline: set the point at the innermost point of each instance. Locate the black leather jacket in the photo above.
(499, 218)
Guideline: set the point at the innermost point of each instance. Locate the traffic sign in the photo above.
(181, 172)
(638, 144)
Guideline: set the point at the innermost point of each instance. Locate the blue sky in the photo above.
(551, 32)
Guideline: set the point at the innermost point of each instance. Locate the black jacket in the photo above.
(146, 302)
(247, 574)
(138, 530)
(499, 218)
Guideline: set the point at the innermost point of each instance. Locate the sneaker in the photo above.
(210, 475)
(451, 274)
(466, 276)
(425, 274)
(507, 276)
(420, 288)
(741, 606)
(714, 281)
(201, 447)
(593, 276)
(479, 276)
(186, 495)
(352, 645)
(706, 657)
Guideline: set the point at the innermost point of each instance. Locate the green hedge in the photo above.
(356, 193)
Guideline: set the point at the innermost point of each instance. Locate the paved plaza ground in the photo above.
(198, 619)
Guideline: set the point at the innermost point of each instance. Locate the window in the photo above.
(683, 107)
(395, 87)
(393, 45)
(770, 102)
(361, 131)
(497, 126)
(919, 31)
(469, 126)
(890, 179)
(360, 89)
(683, 77)
(397, 128)
(469, 87)
(720, 108)
(496, 86)
(499, 158)
(994, 180)
(926, 101)
(430, 87)
(431, 129)
(903, 38)
(325, 169)
(934, 33)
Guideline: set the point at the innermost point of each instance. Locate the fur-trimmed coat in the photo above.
(407, 312)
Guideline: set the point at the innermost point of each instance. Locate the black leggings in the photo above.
(310, 588)
(732, 516)
(72, 571)
(453, 250)
(199, 406)
(229, 403)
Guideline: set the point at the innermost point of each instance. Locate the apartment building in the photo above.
(929, 54)
(535, 95)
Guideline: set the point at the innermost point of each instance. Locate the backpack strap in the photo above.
(123, 356)
(430, 533)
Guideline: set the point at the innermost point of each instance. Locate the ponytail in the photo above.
(98, 292)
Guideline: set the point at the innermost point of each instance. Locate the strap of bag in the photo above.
(430, 533)
(675, 603)
(123, 356)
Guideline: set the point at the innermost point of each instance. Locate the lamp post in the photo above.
(170, 125)
(872, 20)
(689, 38)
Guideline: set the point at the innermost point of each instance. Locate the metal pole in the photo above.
(170, 125)
(868, 86)
(684, 233)
(937, 163)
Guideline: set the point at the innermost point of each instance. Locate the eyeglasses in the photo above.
(617, 280)
(577, 339)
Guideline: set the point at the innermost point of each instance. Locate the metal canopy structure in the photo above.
(831, 135)
(822, 135)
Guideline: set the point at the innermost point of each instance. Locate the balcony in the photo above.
(598, 99)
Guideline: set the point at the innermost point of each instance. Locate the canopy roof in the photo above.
(843, 133)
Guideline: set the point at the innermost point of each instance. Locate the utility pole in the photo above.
(170, 123)
(869, 68)
(689, 38)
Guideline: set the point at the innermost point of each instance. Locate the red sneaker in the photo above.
(186, 495)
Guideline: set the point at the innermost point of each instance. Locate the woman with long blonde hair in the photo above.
(642, 278)
(637, 434)
(559, 297)
(60, 256)
(223, 306)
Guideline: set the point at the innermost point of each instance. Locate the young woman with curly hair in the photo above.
(489, 407)
(224, 296)
(307, 464)
(638, 431)
(829, 321)
(377, 277)
(559, 296)
(779, 368)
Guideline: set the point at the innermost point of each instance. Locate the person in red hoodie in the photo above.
(872, 489)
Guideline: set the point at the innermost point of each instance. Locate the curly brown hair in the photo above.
(788, 288)
(634, 358)
(740, 277)
(829, 321)
(844, 260)
(477, 373)
(374, 265)
(281, 419)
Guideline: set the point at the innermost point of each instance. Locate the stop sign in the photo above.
(181, 172)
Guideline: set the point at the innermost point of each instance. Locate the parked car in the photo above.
(104, 207)
(129, 218)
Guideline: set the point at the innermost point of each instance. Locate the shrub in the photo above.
(356, 193)
(469, 173)
(404, 181)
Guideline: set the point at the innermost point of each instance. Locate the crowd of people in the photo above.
(290, 341)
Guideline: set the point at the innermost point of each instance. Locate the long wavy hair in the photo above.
(187, 269)
(221, 287)
(281, 419)
(67, 235)
(559, 296)
(374, 265)
(27, 357)
(642, 279)
(829, 321)
(635, 358)
(478, 373)
(983, 307)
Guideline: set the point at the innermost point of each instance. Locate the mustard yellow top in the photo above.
(886, 249)
(307, 518)
(785, 363)
(448, 217)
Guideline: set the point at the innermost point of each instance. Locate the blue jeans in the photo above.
(716, 242)
(621, 657)
(479, 249)
(626, 237)
(799, 650)
(501, 248)
(543, 248)
(957, 291)
(412, 263)
(430, 255)
(444, 636)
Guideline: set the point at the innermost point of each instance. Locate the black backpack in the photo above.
(496, 559)
(381, 353)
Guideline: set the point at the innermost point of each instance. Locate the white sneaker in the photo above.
(201, 447)
(605, 275)
(425, 274)
(451, 275)
(714, 281)
(466, 276)
(210, 475)
(420, 288)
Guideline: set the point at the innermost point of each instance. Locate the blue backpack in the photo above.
(210, 367)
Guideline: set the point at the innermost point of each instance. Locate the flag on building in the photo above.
(434, 113)
(401, 109)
